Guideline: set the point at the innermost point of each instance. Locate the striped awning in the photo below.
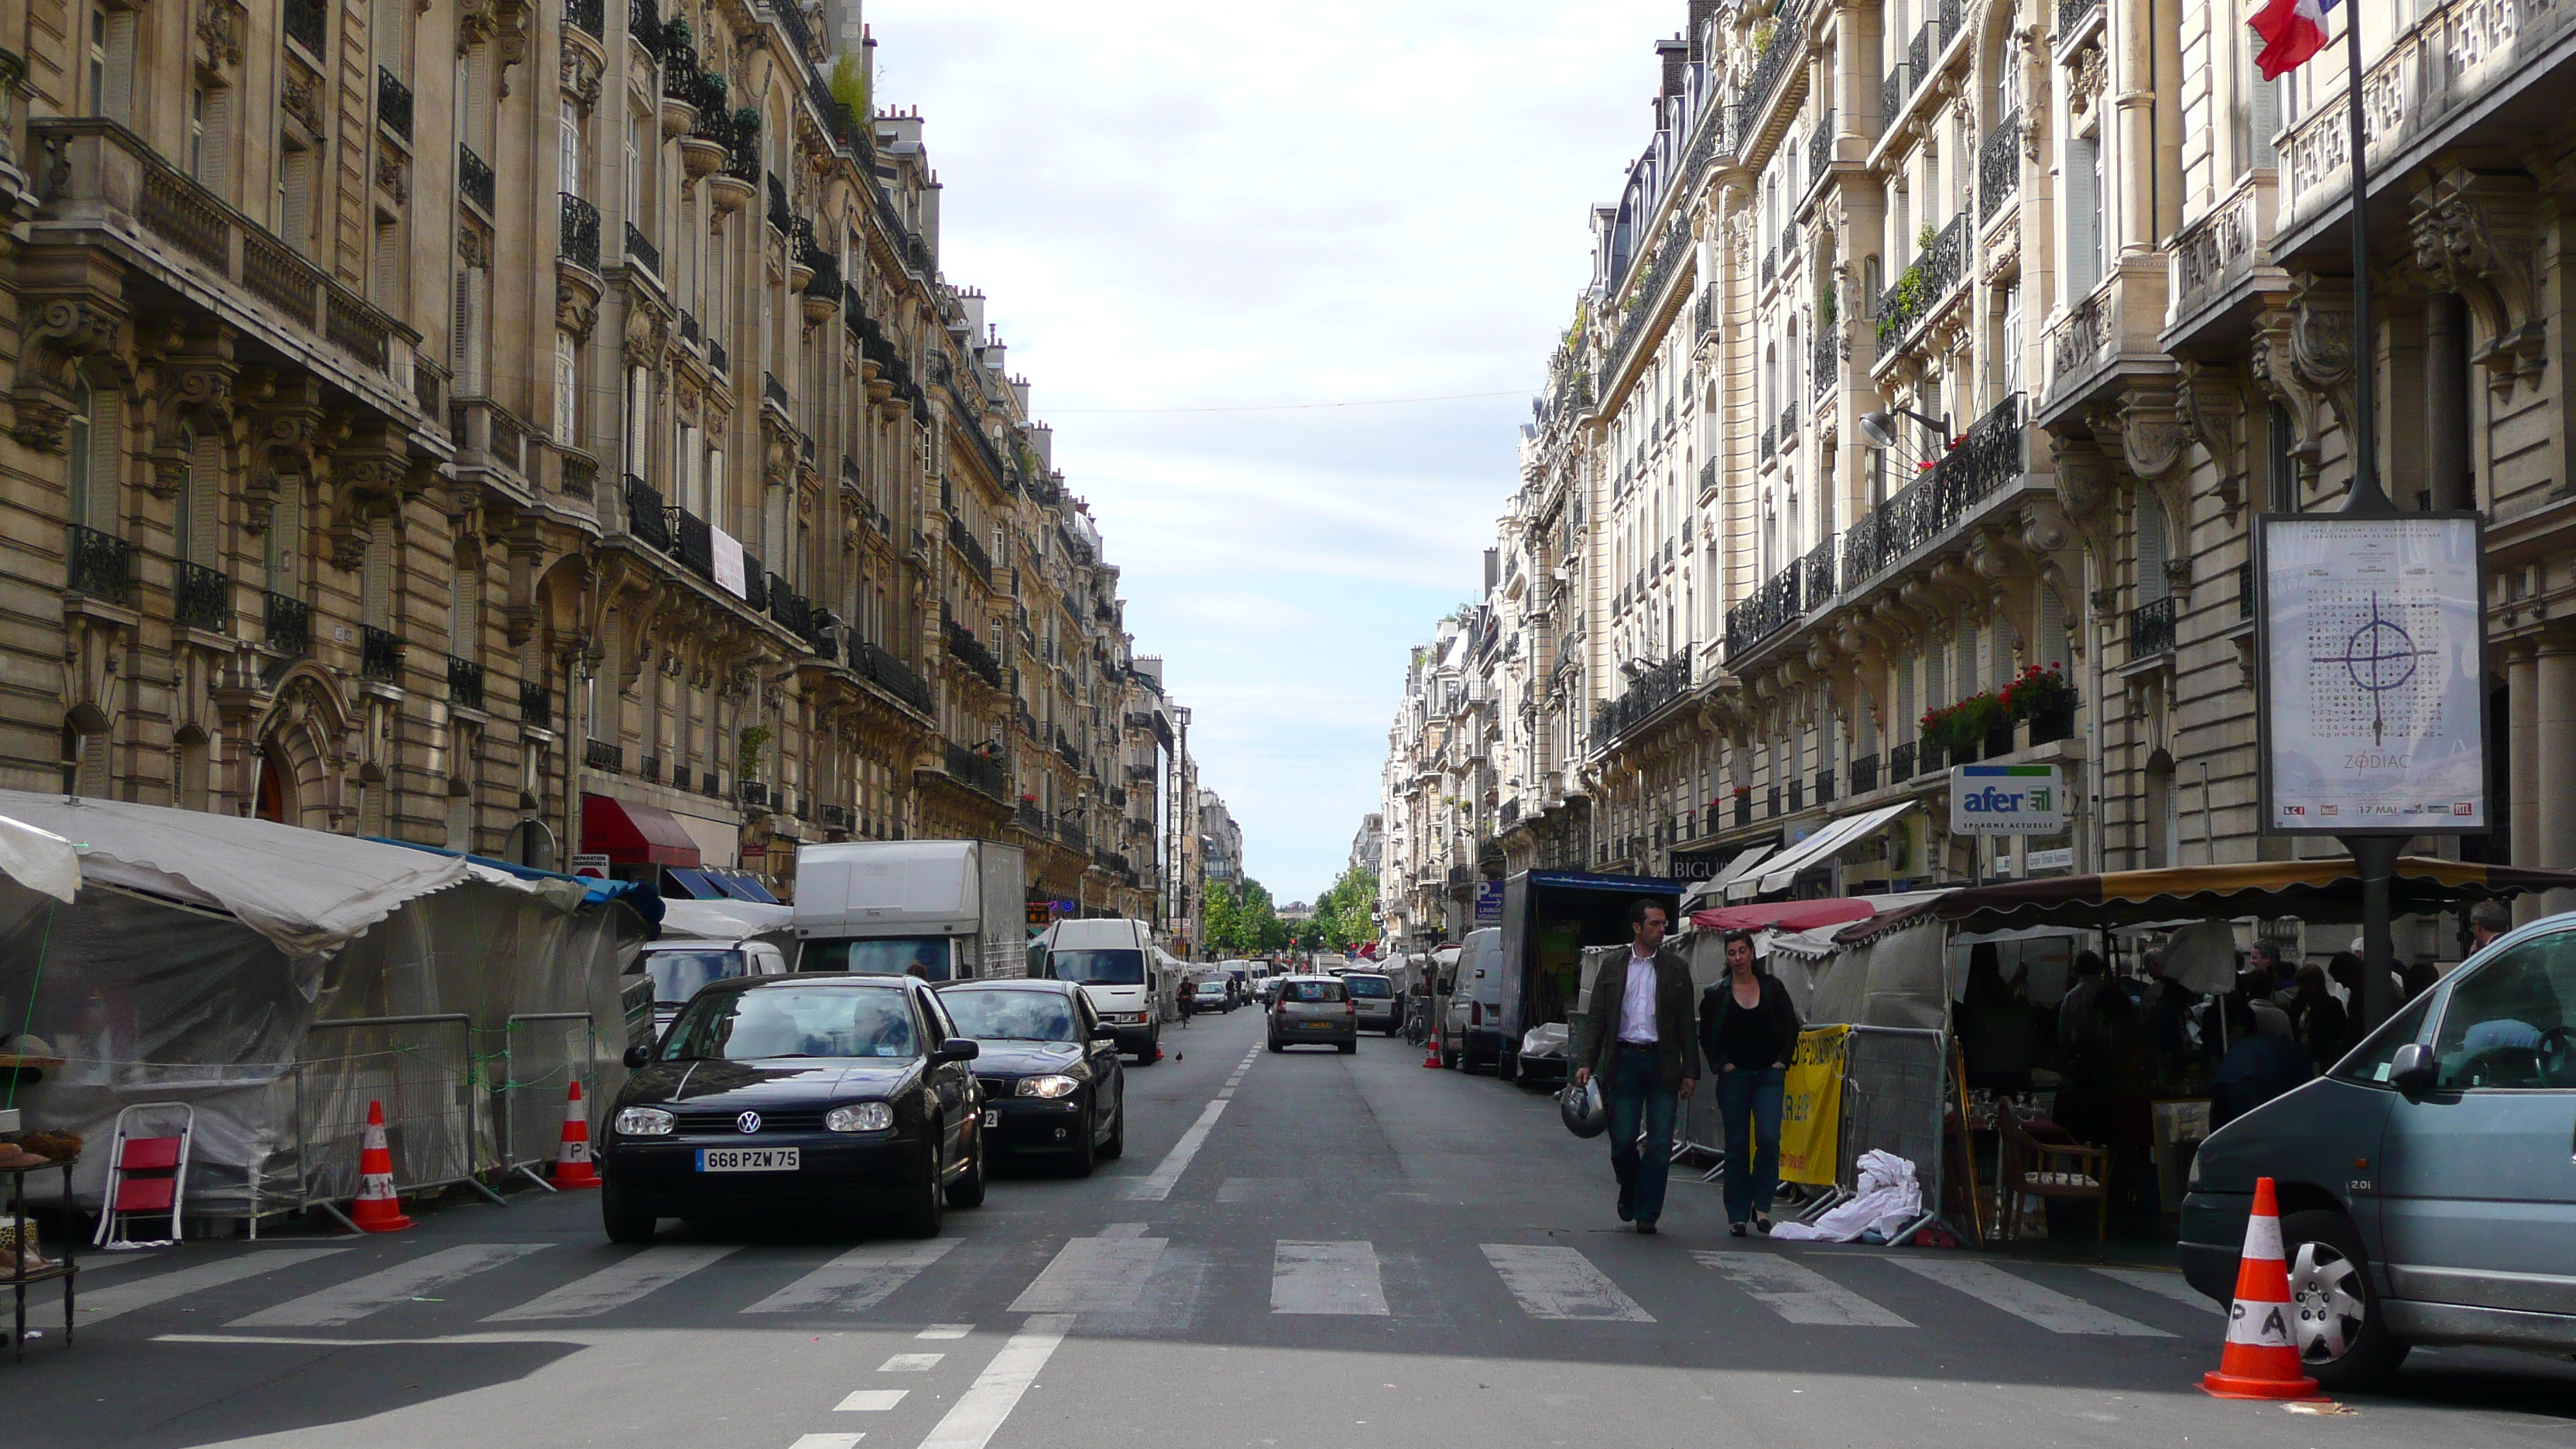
(2312, 890)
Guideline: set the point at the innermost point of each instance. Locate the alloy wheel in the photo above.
(2333, 1307)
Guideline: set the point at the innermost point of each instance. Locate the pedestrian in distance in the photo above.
(2487, 920)
(1748, 1030)
(1637, 1039)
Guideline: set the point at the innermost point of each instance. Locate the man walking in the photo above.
(1638, 1038)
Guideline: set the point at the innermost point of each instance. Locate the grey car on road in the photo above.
(1314, 1011)
(2427, 1183)
(1381, 1009)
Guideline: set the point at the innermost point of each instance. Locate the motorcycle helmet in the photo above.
(1582, 1110)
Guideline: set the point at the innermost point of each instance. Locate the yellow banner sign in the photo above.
(1811, 1106)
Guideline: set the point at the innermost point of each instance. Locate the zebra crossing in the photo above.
(1108, 1272)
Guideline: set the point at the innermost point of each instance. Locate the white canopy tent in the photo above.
(1837, 836)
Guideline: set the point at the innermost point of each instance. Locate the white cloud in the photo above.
(1178, 205)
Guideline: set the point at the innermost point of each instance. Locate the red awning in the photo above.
(633, 834)
(1784, 915)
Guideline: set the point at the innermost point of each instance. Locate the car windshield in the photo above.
(677, 975)
(1098, 968)
(1369, 986)
(819, 1021)
(922, 956)
(1011, 1015)
(1211, 988)
(1311, 991)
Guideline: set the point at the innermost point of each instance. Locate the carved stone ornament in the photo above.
(645, 337)
(580, 76)
(392, 176)
(576, 310)
(473, 248)
(301, 93)
(473, 24)
(2211, 408)
(220, 27)
(2320, 337)
(2092, 74)
(2475, 232)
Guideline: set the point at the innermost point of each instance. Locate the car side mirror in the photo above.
(959, 1049)
(639, 1055)
(2412, 1069)
(1104, 1032)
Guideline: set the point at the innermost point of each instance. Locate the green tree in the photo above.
(1345, 915)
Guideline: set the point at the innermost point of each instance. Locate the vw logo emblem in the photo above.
(747, 1122)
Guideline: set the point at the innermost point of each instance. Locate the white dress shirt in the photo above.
(1637, 1003)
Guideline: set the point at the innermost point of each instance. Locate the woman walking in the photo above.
(1748, 1030)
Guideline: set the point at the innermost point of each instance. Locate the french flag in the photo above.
(2292, 31)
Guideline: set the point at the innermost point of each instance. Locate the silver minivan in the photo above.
(2427, 1183)
(1471, 1035)
(1314, 1011)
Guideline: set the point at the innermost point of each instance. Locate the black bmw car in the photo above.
(815, 1095)
(1050, 1072)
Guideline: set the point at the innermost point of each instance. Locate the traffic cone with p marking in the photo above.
(2261, 1360)
(572, 1160)
(377, 1210)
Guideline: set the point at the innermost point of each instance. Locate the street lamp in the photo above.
(1878, 429)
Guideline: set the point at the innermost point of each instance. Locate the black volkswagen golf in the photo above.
(817, 1095)
(1049, 1068)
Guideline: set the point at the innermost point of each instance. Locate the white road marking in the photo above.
(616, 1285)
(103, 1304)
(2026, 1300)
(857, 1280)
(1325, 1278)
(983, 1408)
(827, 1441)
(911, 1363)
(1089, 1274)
(1121, 1230)
(946, 1330)
(348, 1302)
(1799, 1293)
(871, 1401)
(1561, 1283)
(1158, 1186)
(2163, 1285)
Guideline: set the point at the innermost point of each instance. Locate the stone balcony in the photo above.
(2219, 263)
(2107, 339)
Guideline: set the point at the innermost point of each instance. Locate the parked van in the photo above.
(1471, 1034)
(946, 910)
(678, 969)
(1120, 969)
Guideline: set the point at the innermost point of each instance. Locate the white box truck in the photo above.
(1129, 979)
(954, 908)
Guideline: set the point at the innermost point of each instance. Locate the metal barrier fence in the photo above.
(542, 1054)
(421, 1069)
(1895, 1085)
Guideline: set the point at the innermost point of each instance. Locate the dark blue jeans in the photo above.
(1748, 1102)
(1631, 1095)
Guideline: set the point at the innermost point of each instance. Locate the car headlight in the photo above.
(645, 1122)
(865, 1117)
(1052, 1086)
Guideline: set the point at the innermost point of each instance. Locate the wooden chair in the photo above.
(2029, 1165)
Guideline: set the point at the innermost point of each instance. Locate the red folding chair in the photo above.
(146, 1175)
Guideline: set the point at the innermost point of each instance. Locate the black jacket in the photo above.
(1597, 1044)
(1777, 1014)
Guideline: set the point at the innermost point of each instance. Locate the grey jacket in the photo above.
(1676, 1026)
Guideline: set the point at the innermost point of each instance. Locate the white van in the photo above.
(1472, 1031)
(1119, 968)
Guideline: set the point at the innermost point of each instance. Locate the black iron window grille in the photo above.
(464, 683)
(2151, 628)
(100, 565)
(393, 103)
(644, 516)
(580, 240)
(640, 250)
(474, 177)
(202, 598)
(536, 706)
(380, 654)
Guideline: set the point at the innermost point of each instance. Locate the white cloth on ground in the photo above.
(1889, 1200)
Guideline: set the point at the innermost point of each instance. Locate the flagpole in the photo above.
(2365, 496)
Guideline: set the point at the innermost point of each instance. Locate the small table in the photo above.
(18, 1277)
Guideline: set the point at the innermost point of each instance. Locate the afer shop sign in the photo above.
(2007, 800)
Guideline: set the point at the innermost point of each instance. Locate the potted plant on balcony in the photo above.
(2043, 697)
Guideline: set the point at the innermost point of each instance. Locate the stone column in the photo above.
(2555, 782)
(2133, 47)
(2447, 466)
(2522, 765)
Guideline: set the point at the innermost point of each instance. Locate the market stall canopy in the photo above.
(309, 891)
(1785, 915)
(40, 860)
(632, 833)
(1837, 836)
(1714, 888)
(721, 920)
(570, 890)
(2313, 890)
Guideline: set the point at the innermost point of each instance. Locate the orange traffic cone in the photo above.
(377, 1210)
(2262, 1356)
(1431, 1053)
(572, 1159)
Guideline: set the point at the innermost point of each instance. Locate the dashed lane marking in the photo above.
(981, 1412)
(1158, 1186)
(871, 1401)
(911, 1363)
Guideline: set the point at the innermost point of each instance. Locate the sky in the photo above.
(1177, 207)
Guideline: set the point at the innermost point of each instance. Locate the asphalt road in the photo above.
(1305, 1249)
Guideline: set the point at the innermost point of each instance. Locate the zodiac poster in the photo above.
(2373, 707)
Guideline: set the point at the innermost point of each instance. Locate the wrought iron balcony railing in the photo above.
(1999, 166)
(380, 655)
(289, 624)
(2151, 628)
(1989, 456)
(393, 103)
(202, 598)
(644, 516)
(464, 683)
(474, 177)
(536, 705)
(100, 565)
(1925, 284)
(579, 243)
(641, 251)
(587, 16)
